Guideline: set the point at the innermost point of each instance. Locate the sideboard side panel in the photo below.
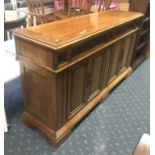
(39, 91)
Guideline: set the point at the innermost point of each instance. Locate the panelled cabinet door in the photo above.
(127, 51)
(124, 53)
(98, 68)
(106, 64)
(121, 55)
(115, 54)
(94, 75)
(86, 80)
(77, 87)
(131, 49)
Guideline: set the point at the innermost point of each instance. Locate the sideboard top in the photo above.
(62, 33)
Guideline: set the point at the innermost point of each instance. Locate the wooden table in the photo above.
(68, 66)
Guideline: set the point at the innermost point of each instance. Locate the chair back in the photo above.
(58, 5)
(104, 5)
(35, 7)
(78, 6)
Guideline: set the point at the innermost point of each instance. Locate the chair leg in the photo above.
(34, 21)
(8, 35)
(29, 21)
(42, 20)
(5, 123)
(5, 35)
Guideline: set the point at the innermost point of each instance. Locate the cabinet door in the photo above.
(94, 76)
(106, 65)
(126, 52)
(115, 52)
(131, 49)
(98, 69)
(77, 87)
(120, 55)
(87, 79)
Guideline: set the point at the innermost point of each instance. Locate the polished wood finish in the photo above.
(67, 70)
(75, 29)
(141, 51)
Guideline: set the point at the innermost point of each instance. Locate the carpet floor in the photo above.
(114, 127)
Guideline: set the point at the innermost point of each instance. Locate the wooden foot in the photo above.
(53, 138)
(56, 143)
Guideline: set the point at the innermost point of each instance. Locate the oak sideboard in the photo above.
(69, 66)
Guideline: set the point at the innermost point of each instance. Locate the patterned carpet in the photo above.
(112, 128)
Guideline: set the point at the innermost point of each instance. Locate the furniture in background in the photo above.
(14, 3)
(102, 5)
(124, 6)
(67, 67)
(74, 8)
(47, 3)
(39, 14)
(143, 41)
(8, 5)
(12, 20)
(81, 7)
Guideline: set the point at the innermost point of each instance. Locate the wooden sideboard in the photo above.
(68, 66)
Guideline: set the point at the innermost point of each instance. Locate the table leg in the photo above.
(66, 5)
(14, 3)
(5, 35)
